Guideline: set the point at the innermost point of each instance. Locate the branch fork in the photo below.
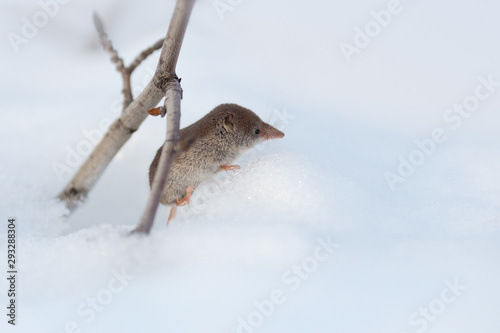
(125, 71)
(163, 84)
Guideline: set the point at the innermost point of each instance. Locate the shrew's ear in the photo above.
(228, 123)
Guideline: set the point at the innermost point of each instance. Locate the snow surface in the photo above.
(431, 244)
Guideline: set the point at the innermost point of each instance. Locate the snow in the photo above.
(308, 236)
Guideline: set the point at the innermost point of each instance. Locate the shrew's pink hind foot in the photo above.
(171, 216)
(185, 200)
(180, 202)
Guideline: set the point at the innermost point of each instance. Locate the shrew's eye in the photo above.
(257, 131)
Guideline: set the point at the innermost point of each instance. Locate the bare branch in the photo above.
(166, 79)
(125, 72)
(173, 105)
(144, 54)
(173, 41)
(99, 26)
(107, 45)
(116, 59)
(134, 113)
(76, 191)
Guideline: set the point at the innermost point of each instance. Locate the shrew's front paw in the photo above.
(229, 167)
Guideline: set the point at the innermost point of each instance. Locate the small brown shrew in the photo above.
(216, 140)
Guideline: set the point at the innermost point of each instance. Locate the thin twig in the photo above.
(168, 82)
(125, 71)
(144, 54)
(107, 45)
(116, 59)
(169, 151)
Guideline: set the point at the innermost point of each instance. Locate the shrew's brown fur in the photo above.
(216, 140)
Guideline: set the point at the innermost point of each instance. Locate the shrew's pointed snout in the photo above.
(269, 132)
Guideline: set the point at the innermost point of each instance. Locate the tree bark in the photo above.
(121, 130)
